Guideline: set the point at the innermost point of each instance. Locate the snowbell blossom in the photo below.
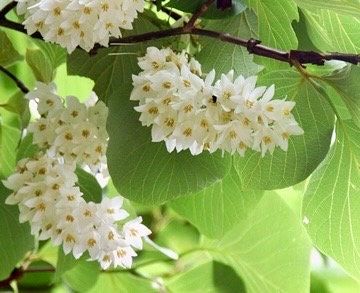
(73, 23)
(190, 110)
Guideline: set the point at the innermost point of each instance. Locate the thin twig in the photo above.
(16, 274)
(18, 82)
(18, 27)
(7, 8)
(197, 14)
(43, 270)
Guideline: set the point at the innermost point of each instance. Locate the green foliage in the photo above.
(83, 276)
(122, 282)
(8, 54)
(347, 7)
(9, 140)
(332, 32)
(54, 53)
(305, 152)
(332, 280)
(65, 262)
(332, 200)
(208, 277)
(274, 22)
(41, 280)
(19, 105)
(345, 83)
(269, 249)
(26, 148)
(212, 55)
(89, 186)
(217, 208)
(237, 7)
(40, 65)
(15, 240)
(181, 237)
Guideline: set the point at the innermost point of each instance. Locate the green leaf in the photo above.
(270, 249)
(8, 54)
(141, 170)
(274, 22)
(26, 148)
(209, 277)
(305, 152)
(40, 65)
(332, 32)
(224, 56)
(48, 253)
(64, 263)
(178, 236)
(191, 6)
(83, 276)
(217, 208)
(15, 240)
(122, 282)
(332, 200)
(19, 105)
(89, 186)
(53, 52)
(39, 277)
(9, 139)
(347, 7)
(346, 84)
(332, 280)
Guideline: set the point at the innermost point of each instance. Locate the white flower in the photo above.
(72, 23)
(188, 111)
(75, 132)
(123, 256)
(48, 198)
(234, 137)
(134, 231)
(111, 211)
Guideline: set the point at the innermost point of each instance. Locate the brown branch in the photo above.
(18, 82)
(7, 8)
(18, 27)
(253, 46)
(197, 14)
(16, 274)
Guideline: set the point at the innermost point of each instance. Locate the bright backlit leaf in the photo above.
(270, 249)
(332, 200)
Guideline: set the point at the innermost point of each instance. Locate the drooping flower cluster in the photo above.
(74, 132)
(73, 23)
(50, 201)
(190, 111)
(45, 186)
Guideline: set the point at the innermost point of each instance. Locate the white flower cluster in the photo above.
(45, 187)
(74, 132)
(50, 201)
(73, 23)
(189, 111)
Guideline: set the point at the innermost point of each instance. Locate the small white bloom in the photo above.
(134, 230)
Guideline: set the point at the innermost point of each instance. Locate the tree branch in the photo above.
(16, 274)
(6, 9)
(18, 82)
(197, 14)
(253, 46)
